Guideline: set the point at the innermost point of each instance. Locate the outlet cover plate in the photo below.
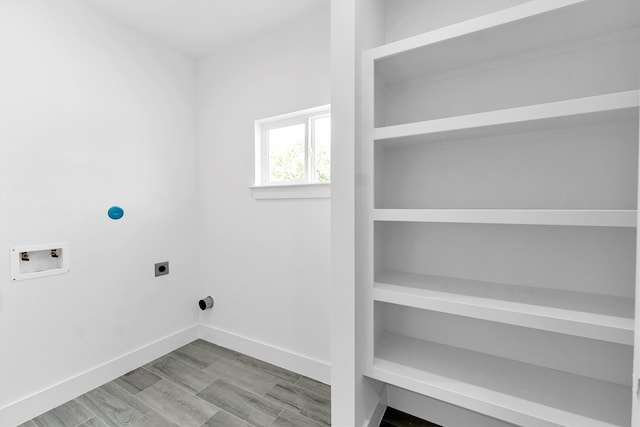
(162, 268)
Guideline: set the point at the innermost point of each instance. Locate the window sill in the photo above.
(291, 191)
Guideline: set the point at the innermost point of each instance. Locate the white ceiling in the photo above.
(199, 27)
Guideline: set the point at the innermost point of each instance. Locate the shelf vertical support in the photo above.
(368, 201)
(635, 407)
(354, 27)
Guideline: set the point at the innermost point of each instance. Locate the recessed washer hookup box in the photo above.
(34, 261)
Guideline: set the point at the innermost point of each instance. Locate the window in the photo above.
(294, 149)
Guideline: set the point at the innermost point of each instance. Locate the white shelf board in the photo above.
(516, 392)
(592, 316)
(621, 106)
(570, 217)
(502, 34)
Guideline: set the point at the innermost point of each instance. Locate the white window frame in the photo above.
(264, 149)
(304, 188)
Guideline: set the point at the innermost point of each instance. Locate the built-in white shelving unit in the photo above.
(501, 156)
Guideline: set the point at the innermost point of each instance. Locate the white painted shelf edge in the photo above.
(484, 22)
(489, 402)
(589, 325)
(569, 217)
(567, 110)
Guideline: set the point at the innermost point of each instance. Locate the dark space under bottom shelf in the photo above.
(394, 418)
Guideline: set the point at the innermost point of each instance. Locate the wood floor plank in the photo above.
(114, 405)
(302, 401)
(175, 404)
(310, 384)
(273, 370)
(292, 419)
(153, 419)
(179, 373)
(224, 419)
(195, 356)
(115, 390)
(70, 413)
(137, 380)
(93, 422)
(242, 375)
(216, 349)
(243, 404)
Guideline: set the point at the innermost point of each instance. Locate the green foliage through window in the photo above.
(287, 153)
(299, 151)
(322, 131)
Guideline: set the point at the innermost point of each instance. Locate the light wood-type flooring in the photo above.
(203, 384)
(200, 384)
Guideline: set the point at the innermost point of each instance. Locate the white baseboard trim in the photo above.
(375, 394)
(305, 365)
(376, 417)
(438, 412)
(24, 409)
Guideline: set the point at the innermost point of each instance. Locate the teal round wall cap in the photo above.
(115, 212)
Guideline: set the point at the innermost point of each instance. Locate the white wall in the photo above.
(265, 262)
(91, 114)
